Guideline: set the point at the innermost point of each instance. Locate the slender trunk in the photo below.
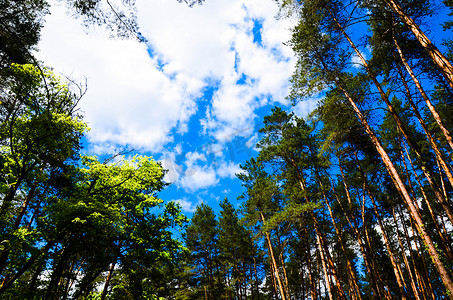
(324, 266)
(440, 198)
(285, 276)
(24, 206)
(437, 57)
(446, 279)
(313, 292)
(404, 194)
(418, 252)
(378, 287)
(107, 281)
(274, 263)
(396, 269)
(256, 279)
(352, 276)
(25, 267)
(436, 116)
(443, 238)
(56, 274)
(406, 262)
(68, 281)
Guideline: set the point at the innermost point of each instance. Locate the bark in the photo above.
(425, 278)
(404, 194)
(436, 116)
(324, 266)
(25, 267)
(446, 279)
(352, 276)
(378, 287)
(437, 57)
(444, 238)
(107, 281)
(395, 265)
(440, 198)
(274, 263)
(406, 262)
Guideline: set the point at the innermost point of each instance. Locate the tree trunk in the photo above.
(440, 198)
(437, 57)
(404, 194)
(436, 116)
(406, 262)
(107, 281)
(274, 263)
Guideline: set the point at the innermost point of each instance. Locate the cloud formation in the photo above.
(143, 95)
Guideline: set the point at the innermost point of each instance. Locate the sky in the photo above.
(193, 96)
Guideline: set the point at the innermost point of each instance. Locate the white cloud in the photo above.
(197, 178)
(303, 108)
(228, 170)
(138, 100)
(193, 157)
(186, 205)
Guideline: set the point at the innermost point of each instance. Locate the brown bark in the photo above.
(273, 261)
(423, 275)
(430, 106)
(444, 237)
(351, 274)
(394, 173)
(440, 198)
(107, 281)
(324, 266)
(378, 286)
(406, 262)
(321, 237)
(437, 57)
(404, 194)
(396, 269)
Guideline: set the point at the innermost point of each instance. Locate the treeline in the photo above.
(354, 201)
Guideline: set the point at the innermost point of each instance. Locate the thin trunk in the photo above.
(446, 279)
(440, 198)
(107, 281)
(68, 281)
(380, 291)
(313, 293)
(395, 265)
(418, 252)
(406, 262)
(404, 194)
(25, 267)
(352, 276)
(324, 266)
(256, 279)
(436, 116)
(433, 217)
(437, 57)
(444, 235)
(271, 253)
(285, 276)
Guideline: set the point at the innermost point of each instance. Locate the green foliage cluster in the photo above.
(69, 224)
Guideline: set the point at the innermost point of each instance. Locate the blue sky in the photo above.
(193, 96)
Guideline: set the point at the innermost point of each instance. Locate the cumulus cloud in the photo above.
(187, 205)
(197, 177)
(141, 94)
(228, 170)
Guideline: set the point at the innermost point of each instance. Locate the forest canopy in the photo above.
(353, 201)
